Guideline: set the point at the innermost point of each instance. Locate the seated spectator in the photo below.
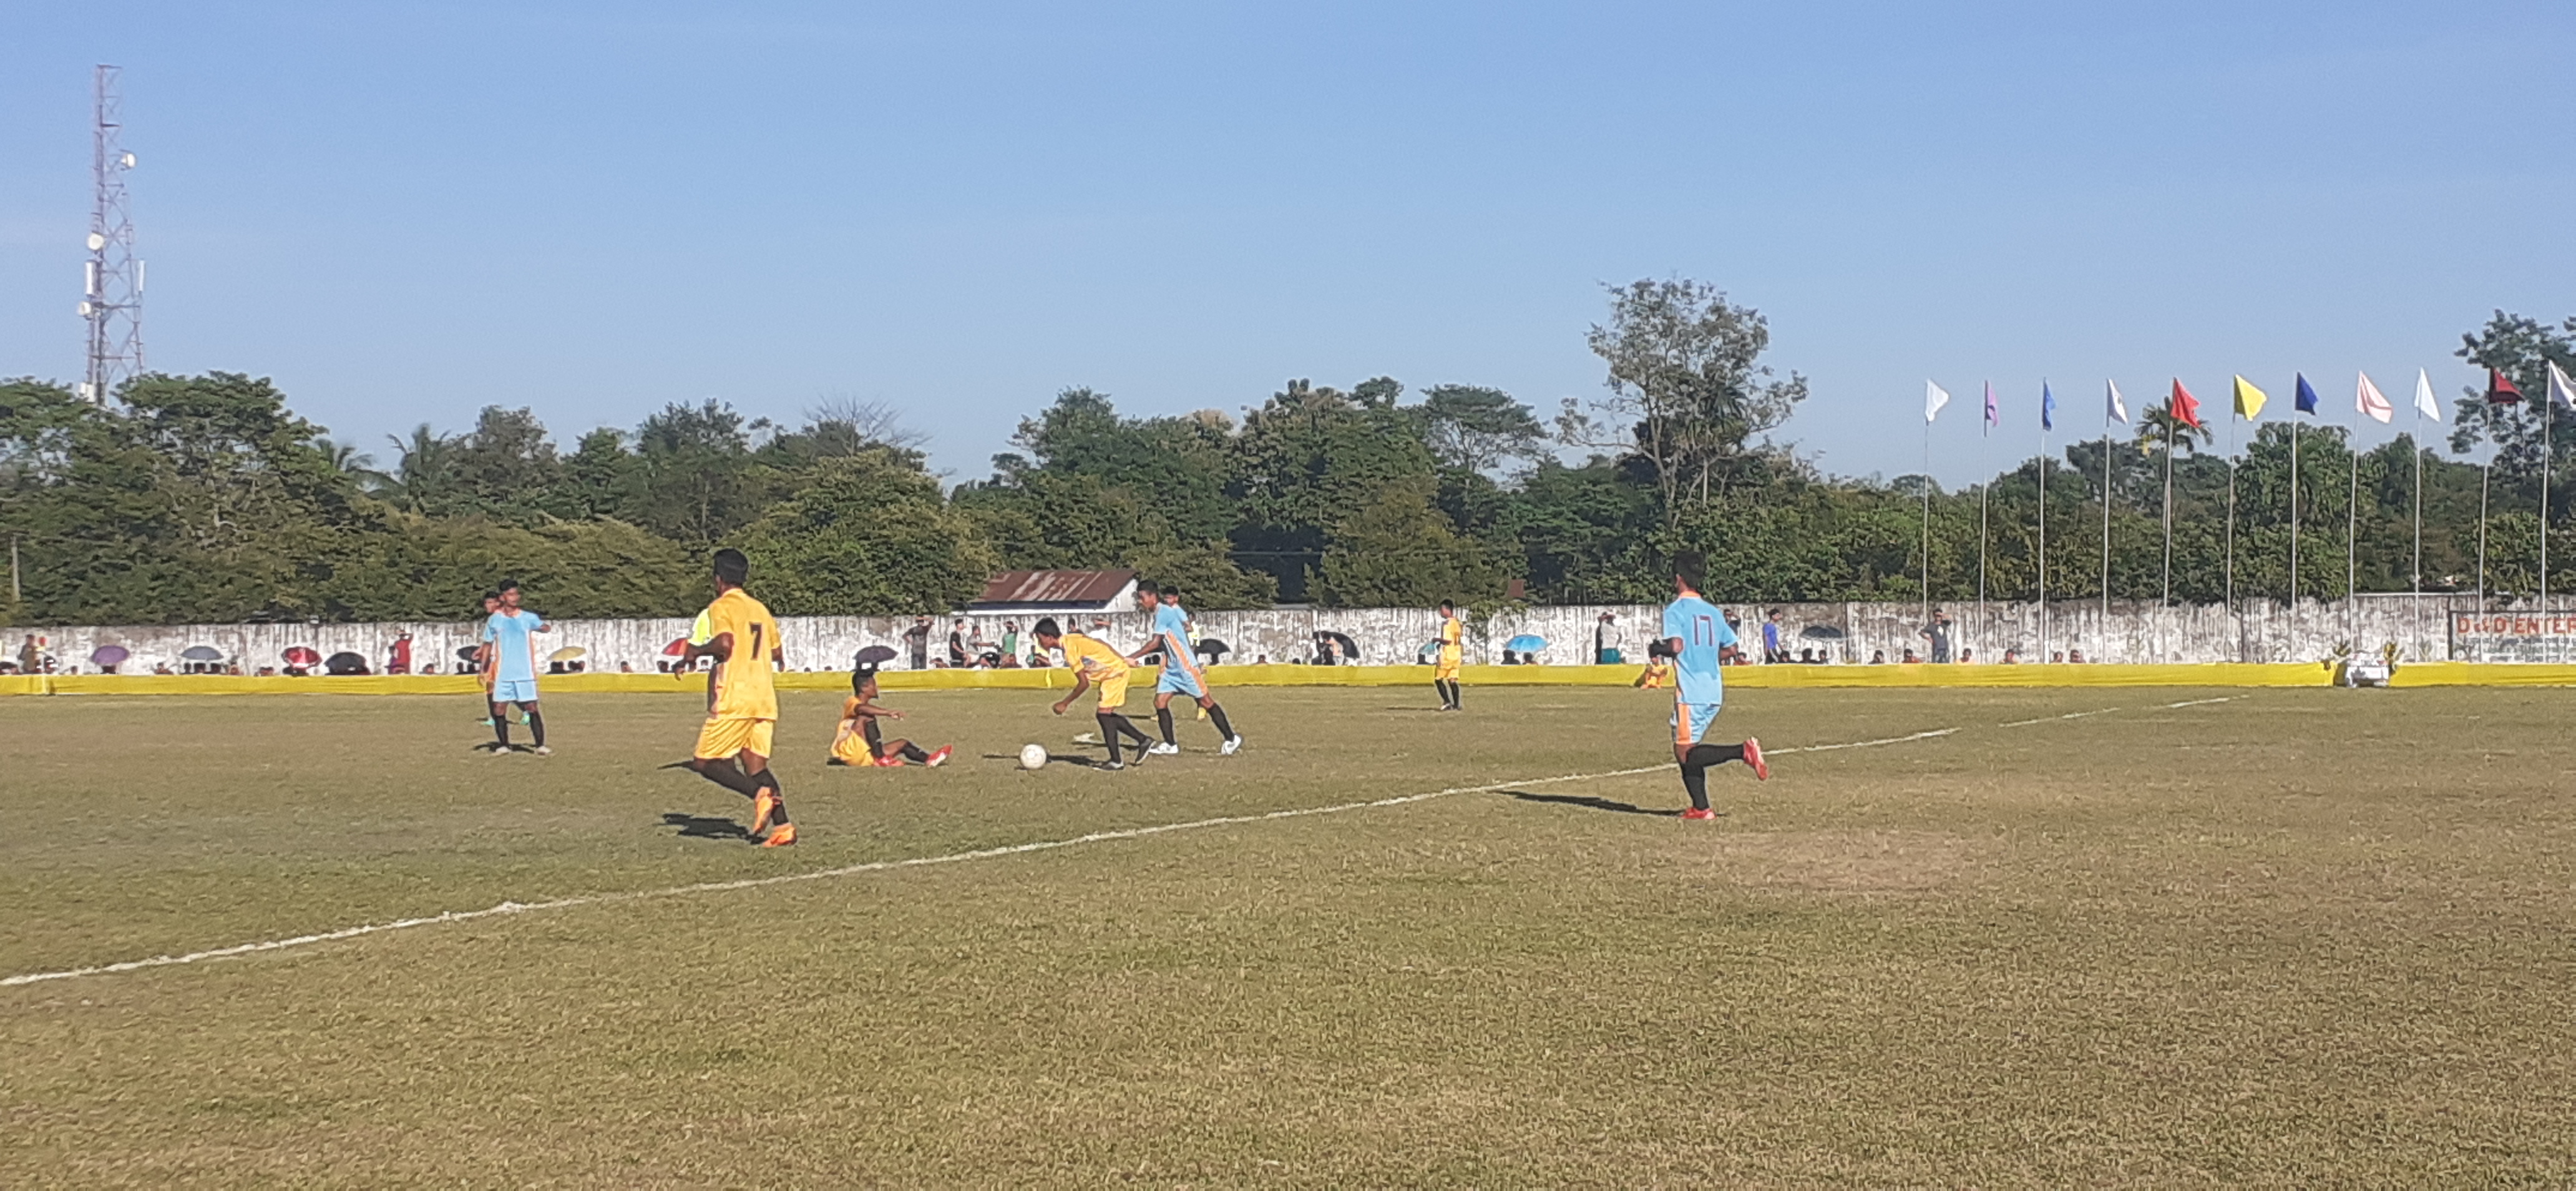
(1807, 656)
(1967, 657)
(1878, 657)
(1510, 658)
(1910, 657)
(2075, 657)
(2012, 657)
(2059, 656)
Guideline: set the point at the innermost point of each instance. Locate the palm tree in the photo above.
(423, 473)
(346, 460)
(2157, 426)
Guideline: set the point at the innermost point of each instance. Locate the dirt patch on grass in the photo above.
(1830, 861)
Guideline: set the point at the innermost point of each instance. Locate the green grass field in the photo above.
(2297, 937)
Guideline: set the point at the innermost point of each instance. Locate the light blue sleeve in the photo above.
(1675, 624)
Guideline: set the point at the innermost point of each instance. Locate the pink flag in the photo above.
(2369, 401)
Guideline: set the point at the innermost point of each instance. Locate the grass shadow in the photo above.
(704, 826)
(1590, 802)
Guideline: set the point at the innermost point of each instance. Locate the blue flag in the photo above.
(2306, 401)
(2047, 407)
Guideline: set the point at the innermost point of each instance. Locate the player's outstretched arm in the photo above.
(1081, 683)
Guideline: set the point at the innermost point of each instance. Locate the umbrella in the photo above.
(1342, 643)
(109, 655)
(875, 655)
(465, 653)
(569, 653)
(1213, 647)
(201, 653)
(1526, 643)
(677, 647)
(301, 655)
(1821, 632)
(1428, 648)
(345, 663)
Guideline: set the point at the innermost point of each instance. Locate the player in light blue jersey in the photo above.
(1181, 674)
(1694, 633)
(509, 636)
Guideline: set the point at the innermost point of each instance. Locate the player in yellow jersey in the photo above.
(1453, 651)
(1095, 662)
(742, 700)
(858, 741)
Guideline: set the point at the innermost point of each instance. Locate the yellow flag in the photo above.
(2249, 400)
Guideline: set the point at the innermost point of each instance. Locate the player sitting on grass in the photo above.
(858, 742)
(1181, 675)
(1694, 633)
(1659, 668)
(742, 699)
(1093, 661)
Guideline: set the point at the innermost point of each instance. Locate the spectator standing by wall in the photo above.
(1772, 653)
(916, 642)
(398, 658)
(1011, 643)
(31, 656)
(1938, 633)
(957, 652)
(1609, 643)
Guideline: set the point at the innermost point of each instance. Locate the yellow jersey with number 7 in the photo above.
(744, 684)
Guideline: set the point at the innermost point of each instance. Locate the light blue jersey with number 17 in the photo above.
(1703, 631)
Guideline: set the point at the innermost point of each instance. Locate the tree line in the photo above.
(207, 499)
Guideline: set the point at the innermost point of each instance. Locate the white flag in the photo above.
(2117, 410)
(2369, 401)
(1934, 397)
(2561, 390)
(2424, 402)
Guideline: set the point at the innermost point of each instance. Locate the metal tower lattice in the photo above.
(113, 302)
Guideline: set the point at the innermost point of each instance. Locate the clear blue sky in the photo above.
(403, 212)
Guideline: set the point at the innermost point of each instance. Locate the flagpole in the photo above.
(1985, 497)
(2352, 551)
(2103, 646)
(1927, 520)
(2486, 477)
(2043, 538)
(2293, 532)
(2548, 416)
(2416, 441)
(2166, 600)
(2230, 567)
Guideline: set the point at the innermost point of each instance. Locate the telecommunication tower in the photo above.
(112, 303)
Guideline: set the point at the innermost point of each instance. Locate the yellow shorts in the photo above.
(852, 749)
(1447, 670)
(726, 737)
(1113, 693)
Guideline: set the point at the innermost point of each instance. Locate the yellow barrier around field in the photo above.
(2301, 674)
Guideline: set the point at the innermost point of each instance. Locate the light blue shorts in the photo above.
(514, 690)
(1178, 681)
(1691, 721)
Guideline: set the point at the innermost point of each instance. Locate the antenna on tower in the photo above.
(112, 303)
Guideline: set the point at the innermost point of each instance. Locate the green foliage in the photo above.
(206, 499)
(867, 535)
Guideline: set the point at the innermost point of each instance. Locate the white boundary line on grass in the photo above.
(873, 866)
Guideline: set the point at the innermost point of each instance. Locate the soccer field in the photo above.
(2079, 936)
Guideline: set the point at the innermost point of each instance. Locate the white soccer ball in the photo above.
(1032, 756)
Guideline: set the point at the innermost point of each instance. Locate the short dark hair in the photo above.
(492, 593)
(506, 585)
(1172, 593)
(1045, 627)
(1691, 567)
(859, 677)
(1146, 587)
(732, 567)
(1446, 606)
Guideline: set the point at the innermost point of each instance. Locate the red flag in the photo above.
(2501, 391)
(2184, 407)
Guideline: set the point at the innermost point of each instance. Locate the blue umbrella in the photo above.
(1526, 643)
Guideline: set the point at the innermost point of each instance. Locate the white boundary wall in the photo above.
(2134, 632)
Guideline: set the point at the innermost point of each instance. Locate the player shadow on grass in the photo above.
(1053, 758)
(704, 826)
(1590, 802)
